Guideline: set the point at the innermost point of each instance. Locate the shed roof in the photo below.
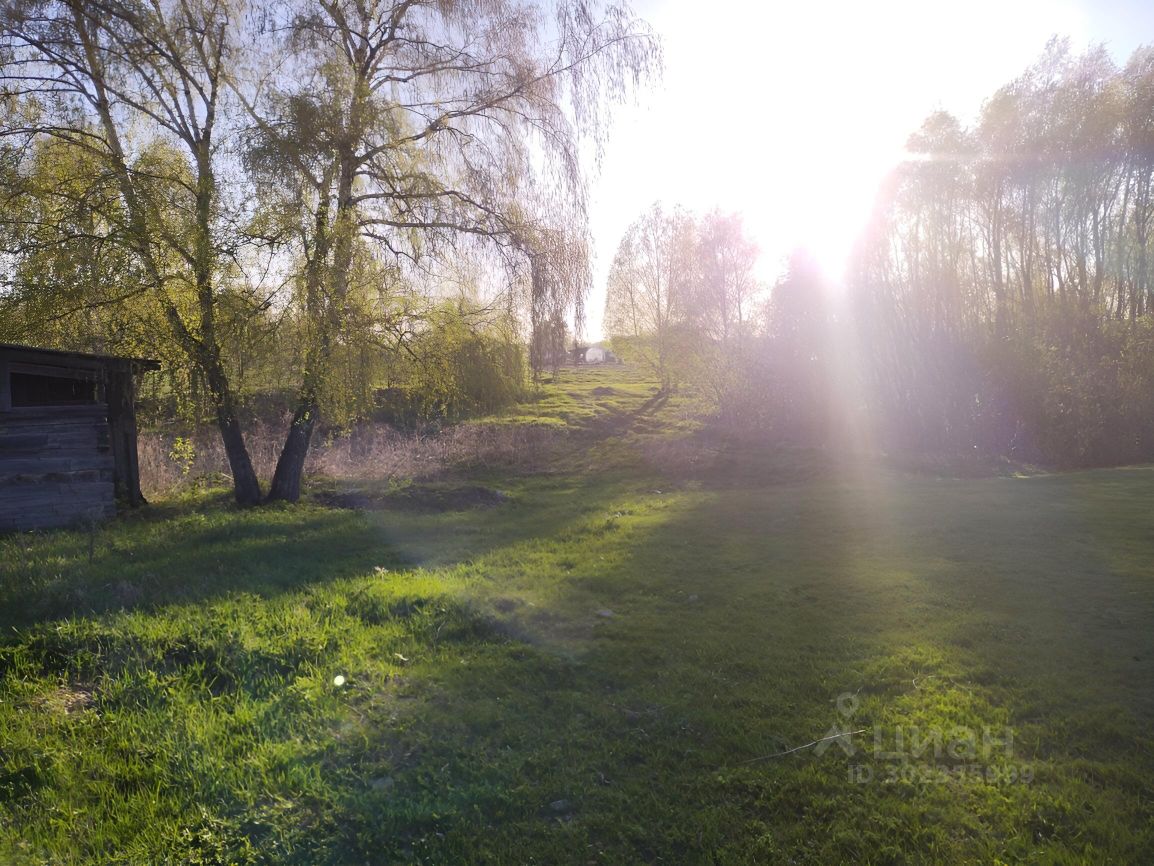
(35, 354)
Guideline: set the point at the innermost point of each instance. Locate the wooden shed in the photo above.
(67, 436)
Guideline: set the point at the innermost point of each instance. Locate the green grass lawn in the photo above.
(604, 667)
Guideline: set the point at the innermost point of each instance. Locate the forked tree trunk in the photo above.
(327, 313)
(290, 466)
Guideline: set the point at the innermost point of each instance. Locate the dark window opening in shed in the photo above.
(29, 389)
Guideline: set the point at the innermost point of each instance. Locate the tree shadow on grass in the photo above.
(614, 421)
(733, 628)
(200, 548)
(604, 727)
(182, 553)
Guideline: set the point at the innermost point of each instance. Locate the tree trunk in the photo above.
(245, 485)
(290, 466)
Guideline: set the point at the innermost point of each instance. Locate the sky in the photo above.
(792, 112)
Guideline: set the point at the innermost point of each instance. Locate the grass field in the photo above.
(606, 662)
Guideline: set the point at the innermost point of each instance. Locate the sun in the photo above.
(792, 114)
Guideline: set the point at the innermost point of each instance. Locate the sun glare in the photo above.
(794, 117)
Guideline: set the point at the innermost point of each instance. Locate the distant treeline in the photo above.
(1001, 296)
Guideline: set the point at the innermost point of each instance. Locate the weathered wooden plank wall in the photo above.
(56, 467)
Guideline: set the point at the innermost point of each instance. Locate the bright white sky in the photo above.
(791, 112)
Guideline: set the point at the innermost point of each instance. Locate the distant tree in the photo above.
(799, 350)
(725, 311)
(651, 291)
(728, 286)
(464, 363)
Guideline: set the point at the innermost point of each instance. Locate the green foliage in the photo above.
(458, 368)
(183, 453)
(70, 284)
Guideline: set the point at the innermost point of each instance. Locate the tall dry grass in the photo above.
(368, 451)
